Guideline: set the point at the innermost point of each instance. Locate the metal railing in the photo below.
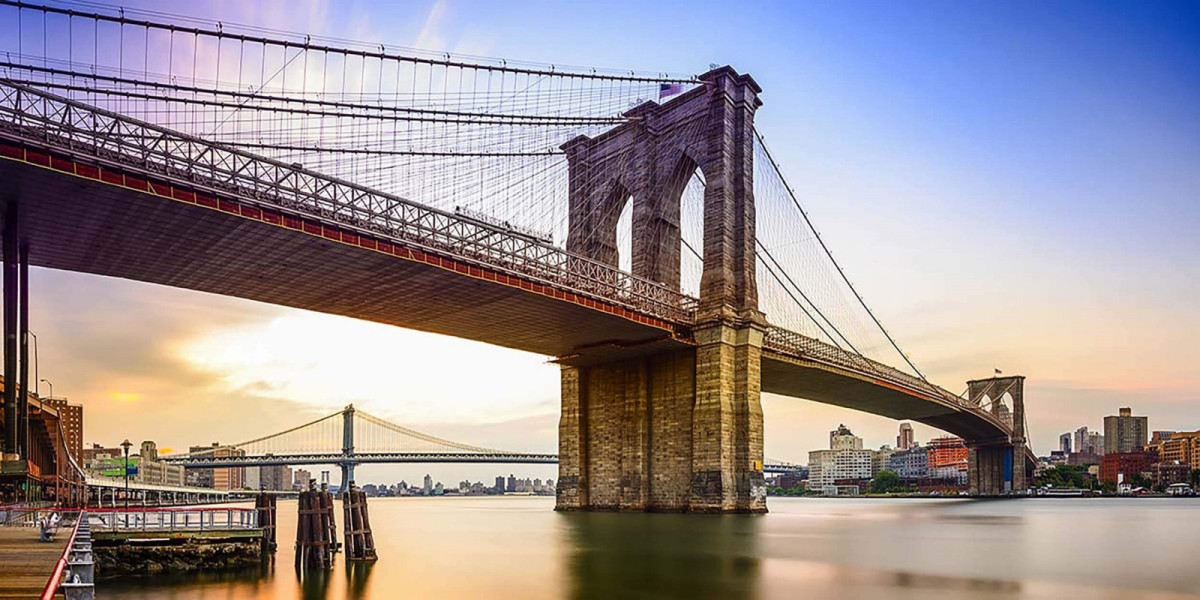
(112, 140)
(168, 520)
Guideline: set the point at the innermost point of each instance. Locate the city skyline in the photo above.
(145, 359)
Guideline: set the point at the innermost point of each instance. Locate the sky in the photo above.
(1011, 186)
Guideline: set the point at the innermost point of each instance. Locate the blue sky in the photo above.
(1011, 185)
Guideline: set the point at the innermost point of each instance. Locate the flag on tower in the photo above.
(668, 89)
(998, 371)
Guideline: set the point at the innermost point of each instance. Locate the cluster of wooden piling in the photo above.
(316, 531)
(265, 505)
(360, 544)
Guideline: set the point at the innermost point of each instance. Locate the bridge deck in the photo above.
(25, 562)
(83, 225)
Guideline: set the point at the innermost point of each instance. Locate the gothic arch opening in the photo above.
(625, 235)
(685, 188)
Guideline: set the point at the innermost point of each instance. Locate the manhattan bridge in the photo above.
(634, 226)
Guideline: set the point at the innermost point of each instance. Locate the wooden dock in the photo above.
(25, 563)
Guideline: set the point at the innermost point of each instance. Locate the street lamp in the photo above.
(35, 366)
(47, 382)
(125, 444)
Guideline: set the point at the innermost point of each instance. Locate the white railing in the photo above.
(169, 519)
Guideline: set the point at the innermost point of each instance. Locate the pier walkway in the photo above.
(28, 563)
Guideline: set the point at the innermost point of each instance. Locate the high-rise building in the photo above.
(428, 487)
(71, 418)
(499, 484)
(511, 485)
(1088, 442)
(1125, 432)
(1064, 443)
(275, 478)
(906, 439)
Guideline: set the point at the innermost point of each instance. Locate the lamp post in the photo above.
(47, 382)
(125, 444)
(35, 366)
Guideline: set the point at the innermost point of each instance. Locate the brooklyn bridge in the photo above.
(633, 226)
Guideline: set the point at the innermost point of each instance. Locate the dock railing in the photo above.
(173, 519)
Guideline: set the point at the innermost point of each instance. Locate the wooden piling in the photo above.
(360, 543)
(265, 505)
(316, 531)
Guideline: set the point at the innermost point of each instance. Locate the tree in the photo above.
(886, 481)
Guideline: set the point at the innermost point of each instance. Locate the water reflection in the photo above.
(357, 573)
(671, 556)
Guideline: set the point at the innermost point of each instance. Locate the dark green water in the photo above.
(517, 547)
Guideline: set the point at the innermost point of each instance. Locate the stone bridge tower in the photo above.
(997, 467)
(681, 430)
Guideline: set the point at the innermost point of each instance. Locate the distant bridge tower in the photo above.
(671, 430)
(347, 463)
(997, 467)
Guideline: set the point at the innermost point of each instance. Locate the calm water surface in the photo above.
(518, 547)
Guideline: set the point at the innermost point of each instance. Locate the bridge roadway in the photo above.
(104, 194)
(333, 458)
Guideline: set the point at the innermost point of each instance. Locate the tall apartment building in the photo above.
(276, 478)
(1125, 432)
(906, 439)
(1064, 443)
(71, 417)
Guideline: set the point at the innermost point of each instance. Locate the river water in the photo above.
(518, 547)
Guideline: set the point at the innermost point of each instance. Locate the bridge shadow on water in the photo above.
(662, 555)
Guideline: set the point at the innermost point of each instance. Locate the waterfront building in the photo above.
(428, 487)
(225, 478)
(1122, 467)
(511, 486)
(1125, 432)
(906, 439)
(499, 487)
(844, 460)
(1182, 447)
(948, 458)
(910, 464)
(881, 460)
(1165, 474)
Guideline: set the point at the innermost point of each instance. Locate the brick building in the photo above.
(1124, 466)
